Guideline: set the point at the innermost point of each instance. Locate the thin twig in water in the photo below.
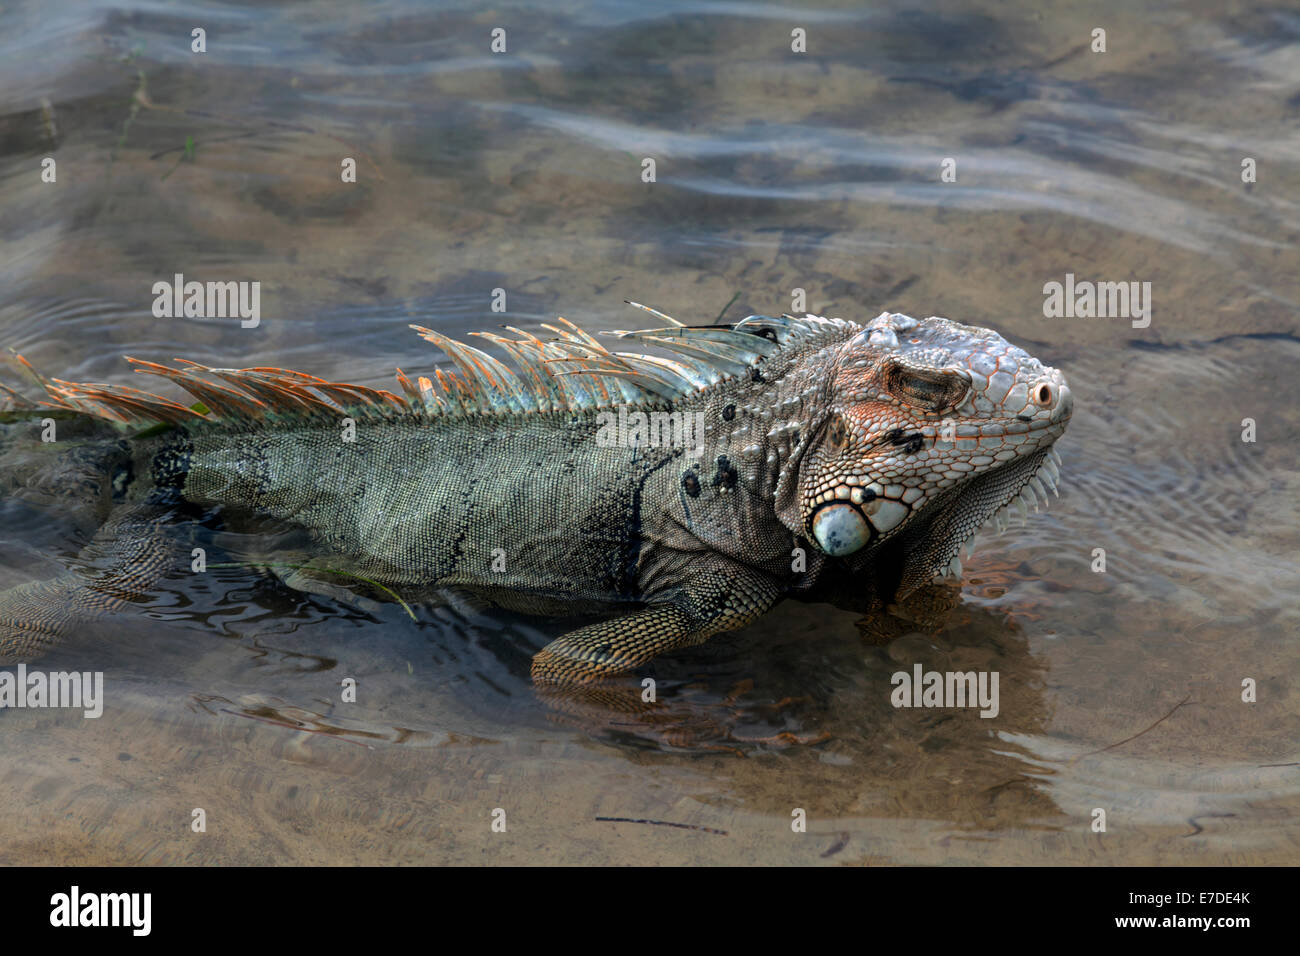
(305, 730)
(1138, 734)
(730, 302)
(662, 823)
(840, 843)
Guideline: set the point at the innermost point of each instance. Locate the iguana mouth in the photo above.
(842, 527)
(854, 516)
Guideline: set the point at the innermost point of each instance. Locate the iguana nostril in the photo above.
(1044, 394)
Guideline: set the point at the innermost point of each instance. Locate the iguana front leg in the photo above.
(712, 600)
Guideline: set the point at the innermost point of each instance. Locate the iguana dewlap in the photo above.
(685, 486)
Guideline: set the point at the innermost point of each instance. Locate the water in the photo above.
(1120, 691)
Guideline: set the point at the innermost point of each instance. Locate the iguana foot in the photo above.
(925, 609)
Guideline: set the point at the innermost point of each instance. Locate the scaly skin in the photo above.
(836, 461)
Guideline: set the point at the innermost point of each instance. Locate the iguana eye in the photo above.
(930, 390)
(838, 432)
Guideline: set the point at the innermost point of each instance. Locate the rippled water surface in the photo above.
(775, 170)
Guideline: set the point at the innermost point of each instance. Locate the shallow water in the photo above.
(775, 171)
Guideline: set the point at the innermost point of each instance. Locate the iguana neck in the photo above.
(764, 423)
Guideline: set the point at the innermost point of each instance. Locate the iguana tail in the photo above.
(76, 472)
(125, 559)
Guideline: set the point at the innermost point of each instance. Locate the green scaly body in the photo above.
(522, 488)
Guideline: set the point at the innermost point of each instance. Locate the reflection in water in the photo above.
(1119, 690)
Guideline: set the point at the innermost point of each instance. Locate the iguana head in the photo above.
(932, 429)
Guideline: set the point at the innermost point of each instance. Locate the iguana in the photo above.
(685, 486)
